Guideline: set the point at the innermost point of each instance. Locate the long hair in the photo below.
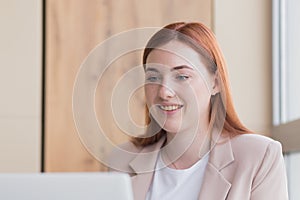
(200, 38)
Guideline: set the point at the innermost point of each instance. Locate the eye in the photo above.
(152, 78)
(182, 77)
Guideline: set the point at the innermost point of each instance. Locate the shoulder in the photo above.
(124, 156)
(254, 142)
(130, 147)
(121, 155)
(255, 148)
(261, 158)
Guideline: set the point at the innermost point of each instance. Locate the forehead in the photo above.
(174, 54)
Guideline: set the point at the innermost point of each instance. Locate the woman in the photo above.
(201, 149)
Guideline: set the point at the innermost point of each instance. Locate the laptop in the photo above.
(66, 186)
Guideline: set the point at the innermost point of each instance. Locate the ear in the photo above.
(215, 84)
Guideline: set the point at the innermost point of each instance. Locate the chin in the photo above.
(171, 129)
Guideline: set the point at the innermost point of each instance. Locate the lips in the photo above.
(170, 107)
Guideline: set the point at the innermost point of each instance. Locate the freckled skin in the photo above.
(177, 76)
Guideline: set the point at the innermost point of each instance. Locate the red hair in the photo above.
(201, 39)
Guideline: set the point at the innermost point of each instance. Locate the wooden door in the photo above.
(73, 29)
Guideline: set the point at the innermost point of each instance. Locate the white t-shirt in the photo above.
(173, 184)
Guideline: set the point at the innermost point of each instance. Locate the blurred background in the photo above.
(44, 42)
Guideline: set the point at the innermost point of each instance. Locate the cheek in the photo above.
(150, 92)
(201, 94)
(203, 97)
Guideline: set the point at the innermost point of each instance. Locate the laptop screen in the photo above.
(65, 186)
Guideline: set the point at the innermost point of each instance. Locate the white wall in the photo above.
(20, 85)
(292, 105)
(244, 29)
(292, 40)
(292, 161)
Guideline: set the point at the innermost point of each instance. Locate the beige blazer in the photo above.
(245, 167)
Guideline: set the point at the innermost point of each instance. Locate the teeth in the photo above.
(170, 108)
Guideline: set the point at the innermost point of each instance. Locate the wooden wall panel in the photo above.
(73, 29)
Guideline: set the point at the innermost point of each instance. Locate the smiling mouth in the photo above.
(170, 107)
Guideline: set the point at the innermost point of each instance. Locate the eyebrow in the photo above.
(151, 69)
(173, 69)
(181, 67)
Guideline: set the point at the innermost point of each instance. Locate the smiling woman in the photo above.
(202, 150)
(172, 82)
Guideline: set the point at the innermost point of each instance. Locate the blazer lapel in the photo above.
(141, 184)
(214, 185)
(144, 165)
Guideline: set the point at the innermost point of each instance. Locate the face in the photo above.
(178, 87)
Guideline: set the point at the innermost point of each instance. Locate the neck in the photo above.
(184, 149)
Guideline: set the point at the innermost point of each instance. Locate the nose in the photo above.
(165, 92)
